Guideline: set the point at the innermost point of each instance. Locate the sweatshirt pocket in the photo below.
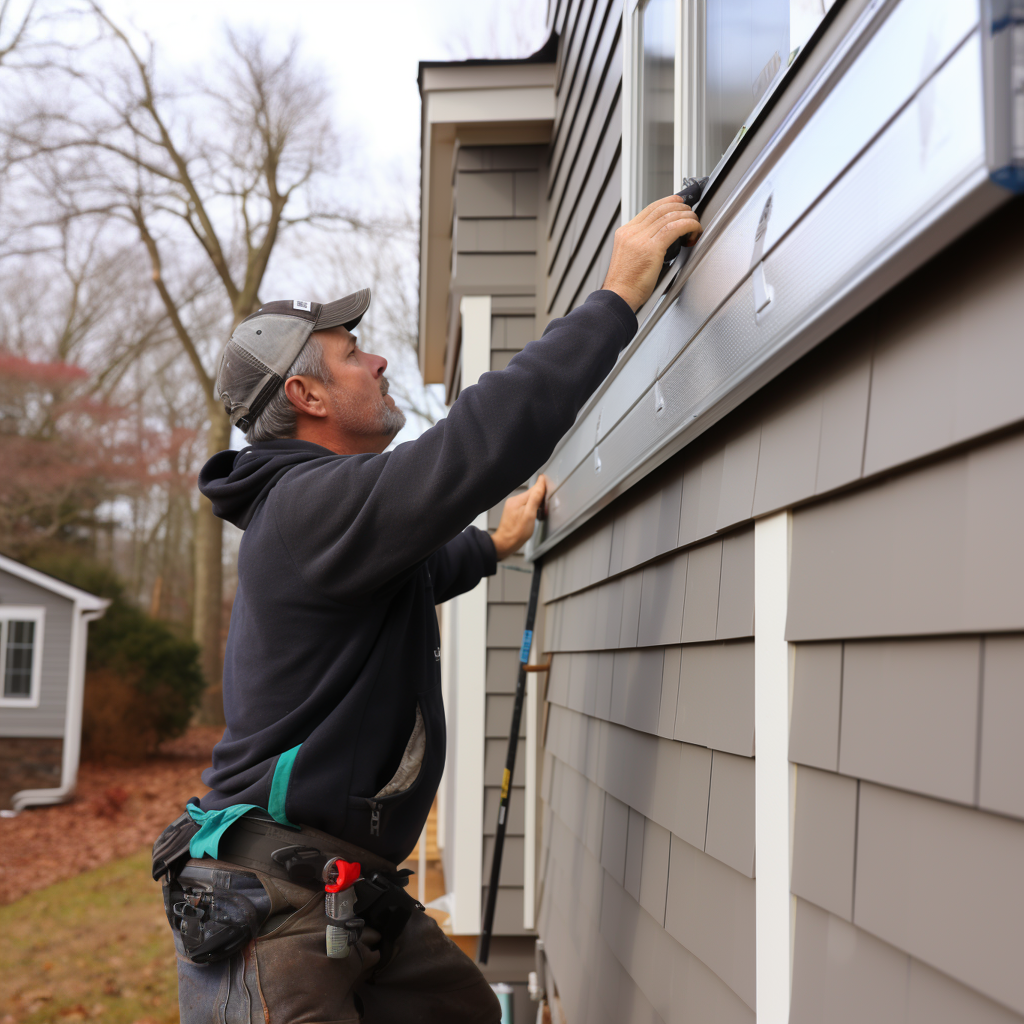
(412, 760)
(389, 822)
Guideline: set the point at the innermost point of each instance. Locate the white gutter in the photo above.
(81, 617)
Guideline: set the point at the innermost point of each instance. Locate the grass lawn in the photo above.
(93, 947)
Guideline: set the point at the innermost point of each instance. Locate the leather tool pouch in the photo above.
(386, 907)
(214, 924)
(170, 851)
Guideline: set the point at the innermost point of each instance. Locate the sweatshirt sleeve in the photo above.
(355, 526)
(462, 563)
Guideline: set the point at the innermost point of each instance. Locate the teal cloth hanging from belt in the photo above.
(213, 824)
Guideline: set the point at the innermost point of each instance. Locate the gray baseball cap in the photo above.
(256, 359)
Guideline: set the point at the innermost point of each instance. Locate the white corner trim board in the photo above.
(476, 337)
(771, 767)
(530, 795)
(470, 698)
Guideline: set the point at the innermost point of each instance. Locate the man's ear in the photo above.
(306, 396)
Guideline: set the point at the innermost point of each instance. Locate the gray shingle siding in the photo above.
(897, 445)
(46, 720)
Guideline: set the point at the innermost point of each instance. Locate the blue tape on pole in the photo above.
(524, 651)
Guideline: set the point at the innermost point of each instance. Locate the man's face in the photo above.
(359, 401)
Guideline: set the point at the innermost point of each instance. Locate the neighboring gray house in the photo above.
(43, 634)
(790, 524)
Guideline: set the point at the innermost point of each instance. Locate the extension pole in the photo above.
(510, 766)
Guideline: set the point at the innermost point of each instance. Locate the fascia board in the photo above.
(482, 77)
(471, 106)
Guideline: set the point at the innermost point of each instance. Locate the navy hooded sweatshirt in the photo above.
(333, 640)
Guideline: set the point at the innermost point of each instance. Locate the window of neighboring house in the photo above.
(657, 25)
(21, 636)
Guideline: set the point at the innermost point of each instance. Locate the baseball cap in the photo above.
(256, 359)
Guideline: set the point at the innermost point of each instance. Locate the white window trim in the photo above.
(688, 151)
(630, 101)
(690, 156)
(22, 613)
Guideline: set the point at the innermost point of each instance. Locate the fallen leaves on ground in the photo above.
(116, 810)
(95, 947)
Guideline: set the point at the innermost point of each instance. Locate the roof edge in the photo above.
(547, 54)
(85, 600)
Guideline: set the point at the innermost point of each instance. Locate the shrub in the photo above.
(143, 683)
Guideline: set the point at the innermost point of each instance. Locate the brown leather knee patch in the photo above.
(299, 983)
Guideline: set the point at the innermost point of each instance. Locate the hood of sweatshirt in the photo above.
(237, 483)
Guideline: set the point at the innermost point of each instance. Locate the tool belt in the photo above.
(296, 855)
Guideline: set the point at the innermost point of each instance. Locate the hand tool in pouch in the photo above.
(343, 928)
(510, 764)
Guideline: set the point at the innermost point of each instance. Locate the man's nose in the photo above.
(378, 365)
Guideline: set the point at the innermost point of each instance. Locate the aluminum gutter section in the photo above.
(892, 134)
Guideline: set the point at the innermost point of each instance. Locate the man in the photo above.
(335, 739)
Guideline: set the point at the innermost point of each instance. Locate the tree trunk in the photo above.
(206, 621)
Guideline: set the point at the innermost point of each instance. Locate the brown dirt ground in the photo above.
(117, 809)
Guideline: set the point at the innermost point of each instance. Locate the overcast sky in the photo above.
(369, 51)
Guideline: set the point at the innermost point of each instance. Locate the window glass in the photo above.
(747, 42)
(657, 98)
(18, 659)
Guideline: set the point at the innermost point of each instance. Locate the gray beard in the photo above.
(391, 421)
(379, 422)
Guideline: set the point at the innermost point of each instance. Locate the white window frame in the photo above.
(690, 149)
(22, 613)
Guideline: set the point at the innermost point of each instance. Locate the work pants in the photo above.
(285, 976)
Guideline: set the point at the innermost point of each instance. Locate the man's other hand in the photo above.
(518, 518)
(638, 253)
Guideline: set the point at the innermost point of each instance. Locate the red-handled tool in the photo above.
(343, 927)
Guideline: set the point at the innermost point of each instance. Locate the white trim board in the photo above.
(469, 611)
(771, 768)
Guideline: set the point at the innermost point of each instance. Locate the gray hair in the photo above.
(277, 420)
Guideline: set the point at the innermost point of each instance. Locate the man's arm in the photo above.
(367, 520)
(461, 564)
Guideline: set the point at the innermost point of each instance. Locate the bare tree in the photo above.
(207, 180)
(12, 38)
(71, 437)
